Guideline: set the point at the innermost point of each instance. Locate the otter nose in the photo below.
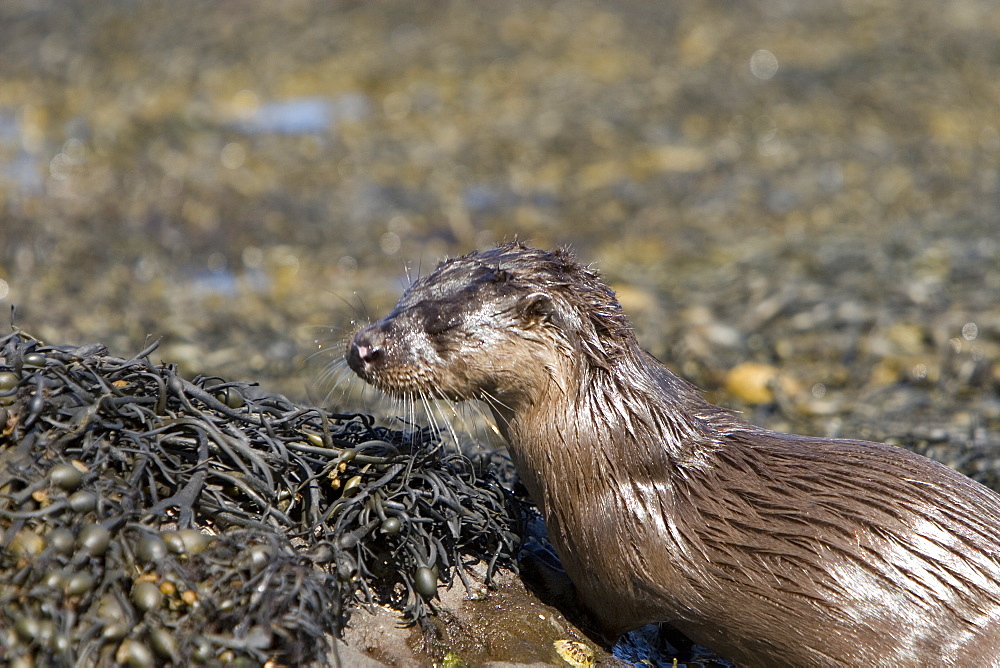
(363, 353)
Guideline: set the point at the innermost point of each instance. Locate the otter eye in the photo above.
(440, 322)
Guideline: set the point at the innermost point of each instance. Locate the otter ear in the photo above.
(535, 307)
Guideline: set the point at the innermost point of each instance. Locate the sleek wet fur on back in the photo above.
(769, 548)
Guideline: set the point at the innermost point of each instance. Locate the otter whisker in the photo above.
(343, 384)
(494, 402)
(449, 423)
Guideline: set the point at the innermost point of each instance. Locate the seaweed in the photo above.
(147, 518)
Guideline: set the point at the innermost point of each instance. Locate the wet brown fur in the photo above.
(769, 548)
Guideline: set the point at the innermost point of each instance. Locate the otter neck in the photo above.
(632, 413)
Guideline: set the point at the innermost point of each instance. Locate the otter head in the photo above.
(496, 325)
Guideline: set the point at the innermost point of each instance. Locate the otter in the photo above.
(769, 548)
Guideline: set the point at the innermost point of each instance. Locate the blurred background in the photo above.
(796, 202)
